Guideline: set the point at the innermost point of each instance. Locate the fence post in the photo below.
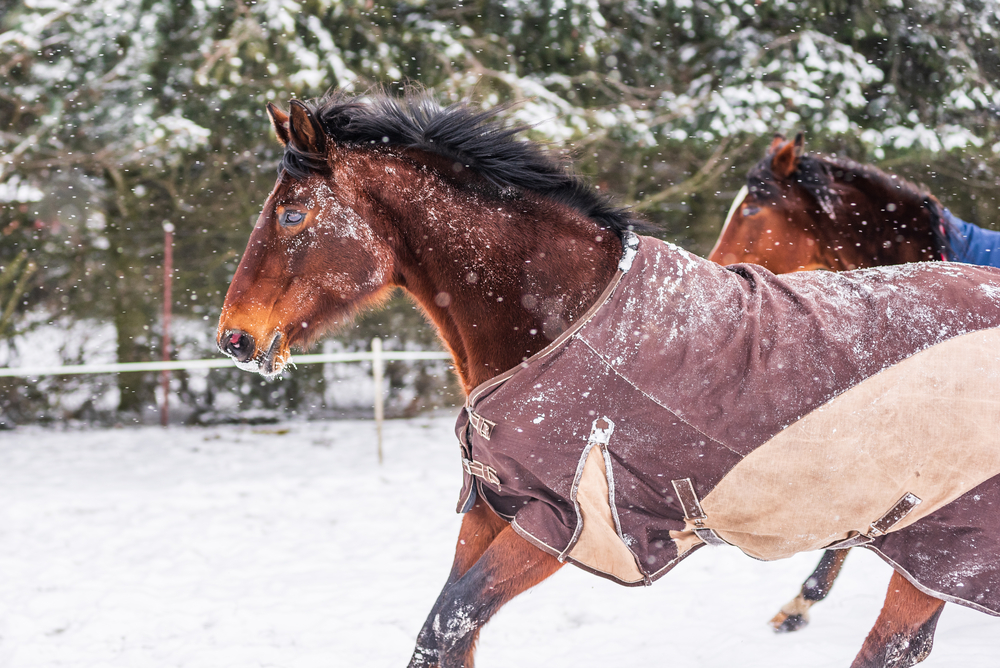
(377, 377)
(168, 273)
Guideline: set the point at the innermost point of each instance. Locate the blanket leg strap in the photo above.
(882, 525)
(693, 512)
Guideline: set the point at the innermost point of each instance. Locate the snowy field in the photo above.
(289, 546)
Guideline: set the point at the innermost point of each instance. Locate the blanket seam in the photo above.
(638, 389)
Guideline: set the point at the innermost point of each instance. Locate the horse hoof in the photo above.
(785, 623)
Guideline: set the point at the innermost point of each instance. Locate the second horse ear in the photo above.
(785, 159)
(279, 121)
(776, 143)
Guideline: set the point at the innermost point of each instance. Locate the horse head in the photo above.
(498, 244)
(313, 258)
(802, 212)
(770, 223)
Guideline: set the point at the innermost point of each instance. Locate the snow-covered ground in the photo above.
(290, 546)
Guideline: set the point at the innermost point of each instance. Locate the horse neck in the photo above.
(870, 235)
(500, 277)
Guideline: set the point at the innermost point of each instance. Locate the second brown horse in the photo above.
(802, 212)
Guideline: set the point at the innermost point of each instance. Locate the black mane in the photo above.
(817, 174)
(475, 139)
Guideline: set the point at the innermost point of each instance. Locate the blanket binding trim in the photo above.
(614, 506)
(927, 590)
(645, 582)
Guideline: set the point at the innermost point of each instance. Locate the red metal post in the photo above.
(168, 271)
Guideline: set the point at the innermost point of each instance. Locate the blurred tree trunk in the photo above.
(13, 285)
(132, 302)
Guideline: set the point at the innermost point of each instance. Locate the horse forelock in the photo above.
(810, 173)
(300, 165)
(474, 140)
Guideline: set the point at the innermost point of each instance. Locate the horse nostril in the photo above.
(238, 345)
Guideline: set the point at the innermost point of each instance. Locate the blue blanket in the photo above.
(972, 244)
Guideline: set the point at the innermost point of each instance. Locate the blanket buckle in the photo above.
(882, 525)
(693, 513)
(480, 470)
(481, 425)
(894, 515)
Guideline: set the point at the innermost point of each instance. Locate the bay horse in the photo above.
(801, 212)
(517, 262)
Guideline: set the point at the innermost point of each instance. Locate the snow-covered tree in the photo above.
(118, 115)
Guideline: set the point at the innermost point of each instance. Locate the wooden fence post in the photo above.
(377, 373)
(168, 274)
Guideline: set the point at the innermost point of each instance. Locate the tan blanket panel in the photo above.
(599, 546)
(929, 425)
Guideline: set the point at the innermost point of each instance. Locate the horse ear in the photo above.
(279, 121)
(785, 160)
(776, 143)
(800, 140)
(305, 133)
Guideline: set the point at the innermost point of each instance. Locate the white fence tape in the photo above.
(127, 367)
(377, 357)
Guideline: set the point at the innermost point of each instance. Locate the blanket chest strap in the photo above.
(882, 525)
(480, 470)
(693, 511)
(481, 425)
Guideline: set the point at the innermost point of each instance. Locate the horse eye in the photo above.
(750, 211)
(292, 218)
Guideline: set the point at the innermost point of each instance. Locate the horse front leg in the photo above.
(507, 567)
(904, 633)
(479, 527)
(795, 614)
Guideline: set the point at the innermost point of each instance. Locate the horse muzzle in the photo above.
(248, 356)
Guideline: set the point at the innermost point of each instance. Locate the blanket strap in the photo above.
(480, 470)
(693, 511)
(481, 425)
(882, 525)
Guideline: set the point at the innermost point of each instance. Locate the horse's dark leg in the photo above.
(795, 614)
(509, 566)
(904, 633)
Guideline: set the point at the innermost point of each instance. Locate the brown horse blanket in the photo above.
(695, 403)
